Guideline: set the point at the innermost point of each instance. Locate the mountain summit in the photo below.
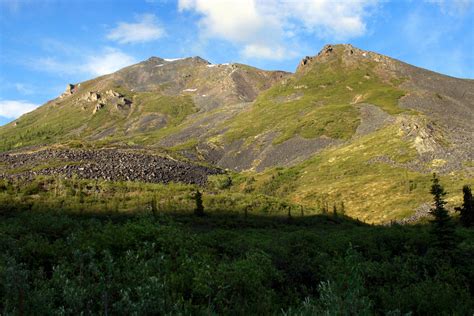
(348, 124)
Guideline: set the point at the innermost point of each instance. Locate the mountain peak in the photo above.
(345, 52)
(194, 59)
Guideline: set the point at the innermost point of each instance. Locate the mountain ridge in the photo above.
(345, 116)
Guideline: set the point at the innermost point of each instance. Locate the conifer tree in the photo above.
(467, 210)
(199, 209)
(442, 226)
(154, 206)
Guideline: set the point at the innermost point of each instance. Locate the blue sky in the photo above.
(45, 44)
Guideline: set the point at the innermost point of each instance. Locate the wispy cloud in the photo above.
(429, 42)
(453, 7)
(14, 108)
(145, 29)
(23, 88)
(267, 52)
(263, 29)
(105, 62)
(112, 60)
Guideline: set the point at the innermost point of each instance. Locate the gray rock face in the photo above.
(110, 97)
(70, 90)
(107, 164)
(372, 118)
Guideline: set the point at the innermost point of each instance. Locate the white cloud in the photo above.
(329, 18)
(112, 60)
(146, 29)
(14, 108)
(453, 7)
(266, 52)
(263, 27)
(108, 61)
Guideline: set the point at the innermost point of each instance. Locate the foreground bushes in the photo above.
(81, 247)
(54, 263)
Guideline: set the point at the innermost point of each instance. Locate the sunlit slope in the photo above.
(138, 104)
(348, 127)
(373, 178)
(319, 101)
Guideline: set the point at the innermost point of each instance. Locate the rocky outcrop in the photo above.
(98, 107)
(109, 97)
(91, 96)
(106, 164)
(70, 90)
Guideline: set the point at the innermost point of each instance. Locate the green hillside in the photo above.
(349, 126)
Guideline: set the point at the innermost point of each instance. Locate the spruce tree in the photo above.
(466, 216)
(154, 206)
(199, 209)
(442, 226)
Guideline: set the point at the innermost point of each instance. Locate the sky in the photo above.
(46, 44)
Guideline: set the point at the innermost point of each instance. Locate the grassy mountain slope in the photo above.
(141, 103)
(349, 126)
(385, 145)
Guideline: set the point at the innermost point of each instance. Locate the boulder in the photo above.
(70, 90)
(98, 107)
(91, 96)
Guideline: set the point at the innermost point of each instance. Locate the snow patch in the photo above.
(172, 59)
(189, 90)
(160, 65)
(211, 65)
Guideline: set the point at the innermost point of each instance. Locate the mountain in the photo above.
(349, 126)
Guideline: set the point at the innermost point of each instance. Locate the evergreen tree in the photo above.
(154, 206)
(467, 210)
(288, 207)
(199, 209)
(442, 226)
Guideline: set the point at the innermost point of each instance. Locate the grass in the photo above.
(371, 191)
(176, 108)
(318, 102)
(57, 120)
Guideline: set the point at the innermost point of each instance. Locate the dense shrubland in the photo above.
(74, 246)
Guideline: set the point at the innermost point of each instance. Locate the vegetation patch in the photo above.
(325, 106)
(72, 246)
(348, 174)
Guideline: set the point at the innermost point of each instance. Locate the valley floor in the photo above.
(67, 250)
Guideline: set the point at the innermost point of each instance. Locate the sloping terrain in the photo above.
(107, 164)
(139, 104)
(348, 127)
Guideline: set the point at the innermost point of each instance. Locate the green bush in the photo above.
(220, 182)
(130, 260)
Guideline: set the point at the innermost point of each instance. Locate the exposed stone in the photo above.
(98, 107)
(327, 49)
(91, 96)
(107, 164)
(123, 103)
(306, 60)
(112, 93)
(70, 90)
